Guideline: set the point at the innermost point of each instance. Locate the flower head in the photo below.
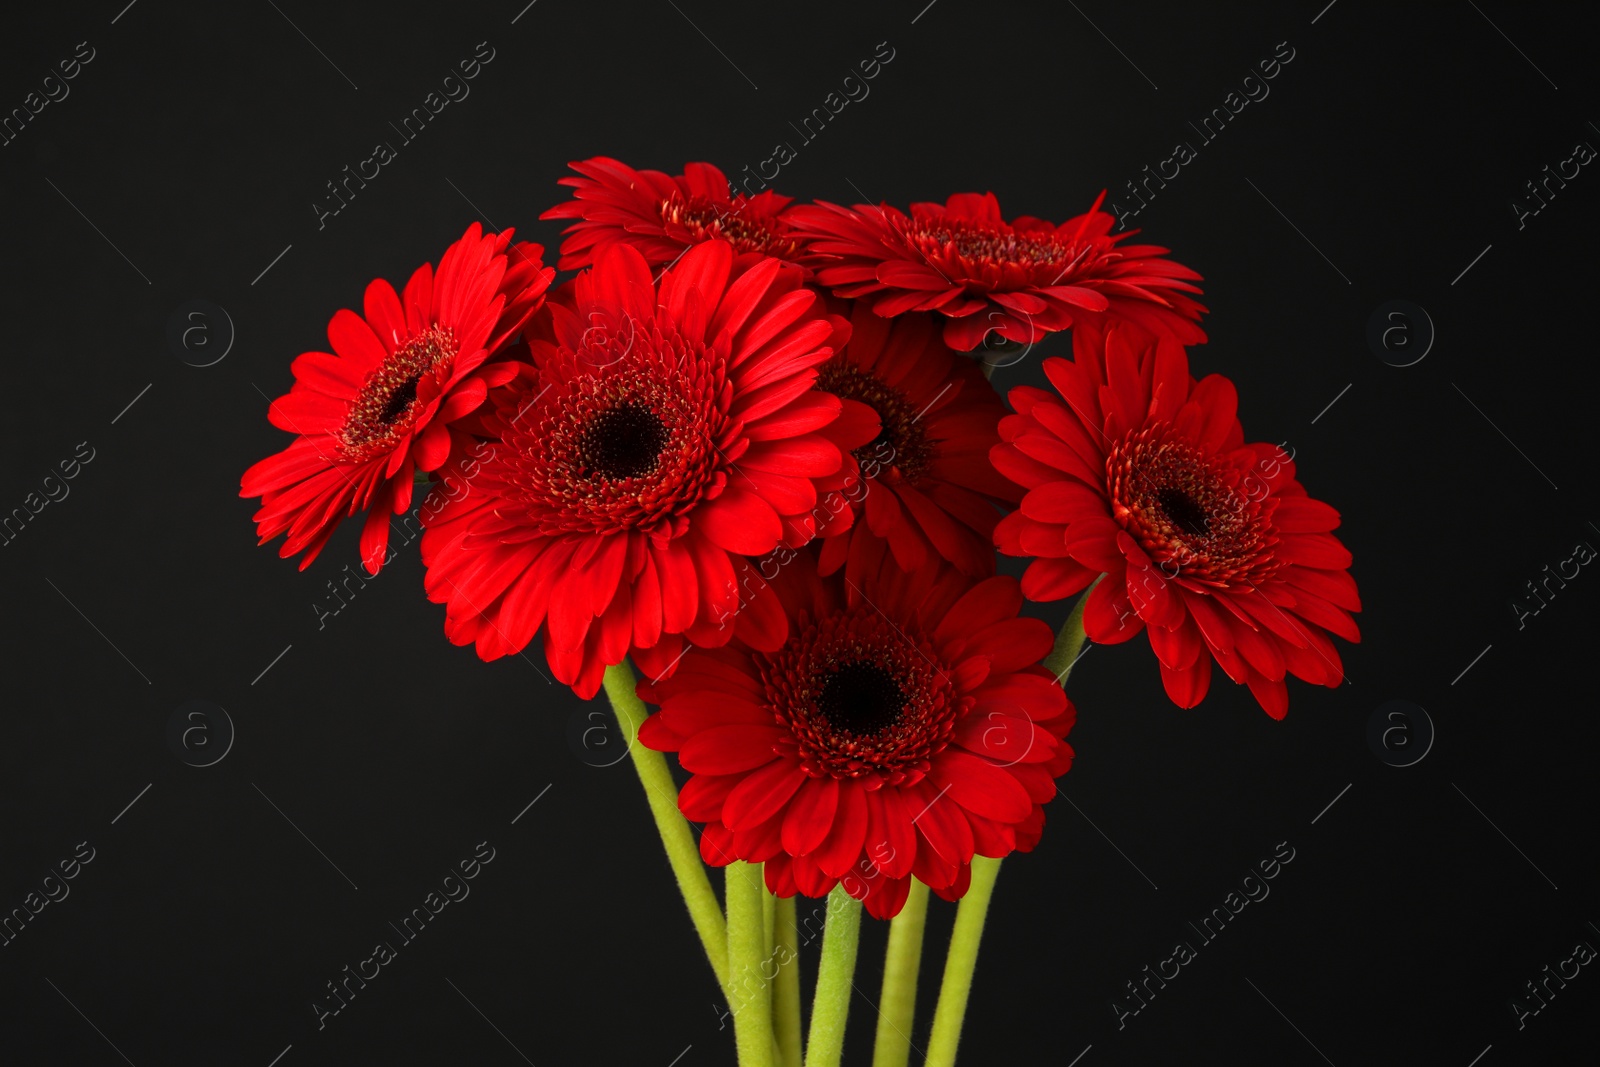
(1208, 544)
(661, 215)
(902, 727)
(661, 434)
(924, 421)
(382, 405)
(1022, 279)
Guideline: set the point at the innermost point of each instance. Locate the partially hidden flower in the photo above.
(926, 484)
(1022, 279)
(384, 403)
(661, 435)
(903, 726)
(662, 215)
(1208, 544)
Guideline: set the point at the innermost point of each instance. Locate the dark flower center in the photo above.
(974, 243)
(624, 442)
(1197, 515)
(383, 411)
(1184, 511)
(901, 442)
(703, 219)
(976, 252)
(620, 431)
(400, 400)
(861, 698)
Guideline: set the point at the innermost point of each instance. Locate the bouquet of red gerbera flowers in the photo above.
(748, 449)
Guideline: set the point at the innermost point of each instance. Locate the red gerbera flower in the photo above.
(381, 406)
(1022, 279)
(661, 215)
(903, 727)
(927, 485)
(661, 437)
(1208, 544)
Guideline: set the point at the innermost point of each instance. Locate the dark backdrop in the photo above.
(183, 163)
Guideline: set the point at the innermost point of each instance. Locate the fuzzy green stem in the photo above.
(676, 836)
(963, 956)
(749, 990)
(835, 980)
(769, 958)
(897, 1008)
(1070, 640)
(960, 963)
(786, 988)
(769, 917)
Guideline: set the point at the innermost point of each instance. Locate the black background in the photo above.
(196, 142)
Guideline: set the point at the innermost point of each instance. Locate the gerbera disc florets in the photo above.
(660, 215)
(902, 442)
(382, 412)
(860, 699)
(623, 434)
(974, 251)
(1019, 278)
(624, 441)
(1193, 515)
(703, 219)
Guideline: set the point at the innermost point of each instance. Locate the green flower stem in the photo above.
(682, 851)
(769, 958)
(960, 963)
(769, 917)
(786, 988)
(1069, 642)
(963, 956)
(835, 980)
(897, 1008)
(749, 989)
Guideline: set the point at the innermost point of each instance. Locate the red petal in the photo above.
(980, 786)
(1272, 695)
(839, 852)
(762, 795)
(384, 314)
(810, 815)
(1108, 616)
(740, 522)
(1054, 579)
(432, 446)
(891, 841)
(729, 749)
(1187, 688)
(354, 340)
